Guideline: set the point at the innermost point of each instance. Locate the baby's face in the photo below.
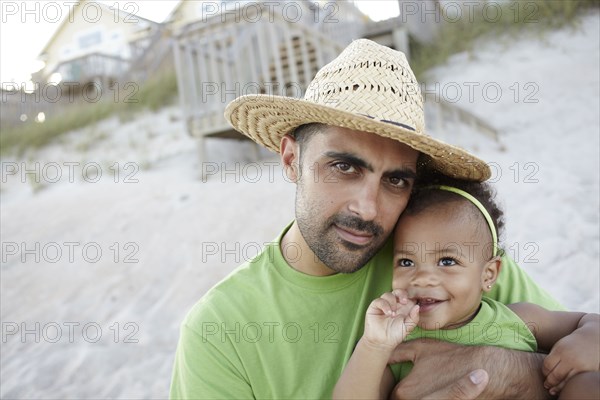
(439, 258)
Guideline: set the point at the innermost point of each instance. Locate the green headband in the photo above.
(481, 208)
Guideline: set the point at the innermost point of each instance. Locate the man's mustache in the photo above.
(357, 224)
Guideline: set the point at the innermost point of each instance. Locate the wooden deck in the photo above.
(217, 62)
(95, 67)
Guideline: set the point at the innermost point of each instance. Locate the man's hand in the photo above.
(439, 365)
(466, 388)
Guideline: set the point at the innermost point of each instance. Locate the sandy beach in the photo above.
(120, 234)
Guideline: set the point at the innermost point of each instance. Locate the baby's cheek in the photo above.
(399, 280)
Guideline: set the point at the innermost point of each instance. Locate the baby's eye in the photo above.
(446, 262)
(405, 262)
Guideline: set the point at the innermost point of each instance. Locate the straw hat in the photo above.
(368, 87)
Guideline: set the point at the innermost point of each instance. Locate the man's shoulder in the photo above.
(233, 293)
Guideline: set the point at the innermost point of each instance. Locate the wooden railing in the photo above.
(19, 107)
(217, 62)
(149, 55)
(92, 66)
(340, 21)
(84, 80)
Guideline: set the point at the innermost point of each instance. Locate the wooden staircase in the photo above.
(218, 61)
(299, 67)
(151, 57)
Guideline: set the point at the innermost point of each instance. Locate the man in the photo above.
(284, 324)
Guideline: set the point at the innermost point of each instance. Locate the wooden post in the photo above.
(400, 39)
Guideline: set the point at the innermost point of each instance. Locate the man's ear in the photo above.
(290, 156)
(490, 273)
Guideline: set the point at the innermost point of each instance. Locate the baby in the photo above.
(446, 256)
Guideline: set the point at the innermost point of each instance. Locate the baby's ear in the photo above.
(490, 273)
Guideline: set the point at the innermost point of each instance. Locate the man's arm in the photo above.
(549, 327)
(469, 387)
(512, 373)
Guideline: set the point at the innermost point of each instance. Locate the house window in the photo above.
(91, 39)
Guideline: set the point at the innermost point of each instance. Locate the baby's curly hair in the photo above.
(423, 196)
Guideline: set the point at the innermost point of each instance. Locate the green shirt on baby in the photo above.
(494, 325)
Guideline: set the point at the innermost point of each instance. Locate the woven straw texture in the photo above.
(368, 87)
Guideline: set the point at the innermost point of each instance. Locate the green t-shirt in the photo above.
(269, 331)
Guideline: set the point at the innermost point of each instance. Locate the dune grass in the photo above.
(153, 95)
(460, 34)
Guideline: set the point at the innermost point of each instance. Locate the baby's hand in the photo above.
(575, 353)
(390, 318)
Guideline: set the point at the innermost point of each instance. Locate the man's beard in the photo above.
(337, 254)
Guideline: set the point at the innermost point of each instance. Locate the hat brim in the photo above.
(266, 119)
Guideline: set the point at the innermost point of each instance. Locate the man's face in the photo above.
(352, 187)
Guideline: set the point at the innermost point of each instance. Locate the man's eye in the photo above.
(447, 262)
(344, 167)
(398, 182)
(405, 262)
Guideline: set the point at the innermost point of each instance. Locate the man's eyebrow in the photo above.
(406, 173)
(350, 159)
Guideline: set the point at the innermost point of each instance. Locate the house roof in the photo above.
(174, 11)
(122, 15)
(317, 2)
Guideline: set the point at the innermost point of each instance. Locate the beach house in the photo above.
(96, 43)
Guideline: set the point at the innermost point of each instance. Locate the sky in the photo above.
(26, 27)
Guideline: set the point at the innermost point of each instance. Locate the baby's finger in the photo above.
(414, 314)
(380, 306)
(413, 319)
(391, 298)
(550, 362)
(557, 389)
(401, 295)
(558, 374)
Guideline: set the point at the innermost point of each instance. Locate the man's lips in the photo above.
(354, 236)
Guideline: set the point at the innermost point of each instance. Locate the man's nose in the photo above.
(365, 201)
